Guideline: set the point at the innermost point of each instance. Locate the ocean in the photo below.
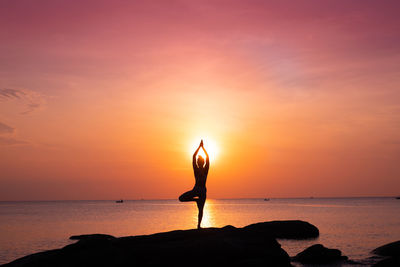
(353, 225)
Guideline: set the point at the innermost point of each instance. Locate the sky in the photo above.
(108, 99)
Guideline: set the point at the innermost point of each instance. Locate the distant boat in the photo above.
(119, 201)
(397, 197)
(266, 199)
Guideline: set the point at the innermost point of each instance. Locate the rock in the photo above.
(318, 254)
(285, 229)
(253, 245)
(391, 249)
(92, 236)
(390, 254)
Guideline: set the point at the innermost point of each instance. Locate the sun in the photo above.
(209, 144)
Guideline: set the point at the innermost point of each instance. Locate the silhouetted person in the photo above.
(199, 191)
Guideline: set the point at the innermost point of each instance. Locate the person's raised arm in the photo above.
(195, 154)
(207, 157)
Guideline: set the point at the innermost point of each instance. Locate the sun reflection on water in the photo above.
(208, 218)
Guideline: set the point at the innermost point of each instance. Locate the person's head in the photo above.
(200, 161)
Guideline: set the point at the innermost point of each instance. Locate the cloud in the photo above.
(391, 142)
(11, 93)
(31, 100)
(5, 129)
(9, 141)
(31, 107)
(26, 100)
(7, 138)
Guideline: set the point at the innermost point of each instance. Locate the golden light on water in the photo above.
(208, 218)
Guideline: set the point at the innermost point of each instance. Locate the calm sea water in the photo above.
(353, 225)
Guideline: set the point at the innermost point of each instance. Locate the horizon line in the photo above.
(159, 199)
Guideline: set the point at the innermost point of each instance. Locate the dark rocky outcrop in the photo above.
(391, 249)
(390, 254)
(253, 245)
(285, 229)
(318, 254)
(92, 237)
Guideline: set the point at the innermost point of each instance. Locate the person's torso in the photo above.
(200, 176)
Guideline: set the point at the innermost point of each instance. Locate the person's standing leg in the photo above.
(200, 205)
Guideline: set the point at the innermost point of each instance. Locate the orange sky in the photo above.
(104, 100)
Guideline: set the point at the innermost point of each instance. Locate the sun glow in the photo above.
(209, 144)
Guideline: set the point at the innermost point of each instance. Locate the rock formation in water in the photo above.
(253, 245)
(318, 254)
(390, 254)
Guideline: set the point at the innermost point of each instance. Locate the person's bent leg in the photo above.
(200, 205)
(187, 196)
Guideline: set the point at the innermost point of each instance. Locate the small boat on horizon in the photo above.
(120, 201)
(266, 199)
(397, 197)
